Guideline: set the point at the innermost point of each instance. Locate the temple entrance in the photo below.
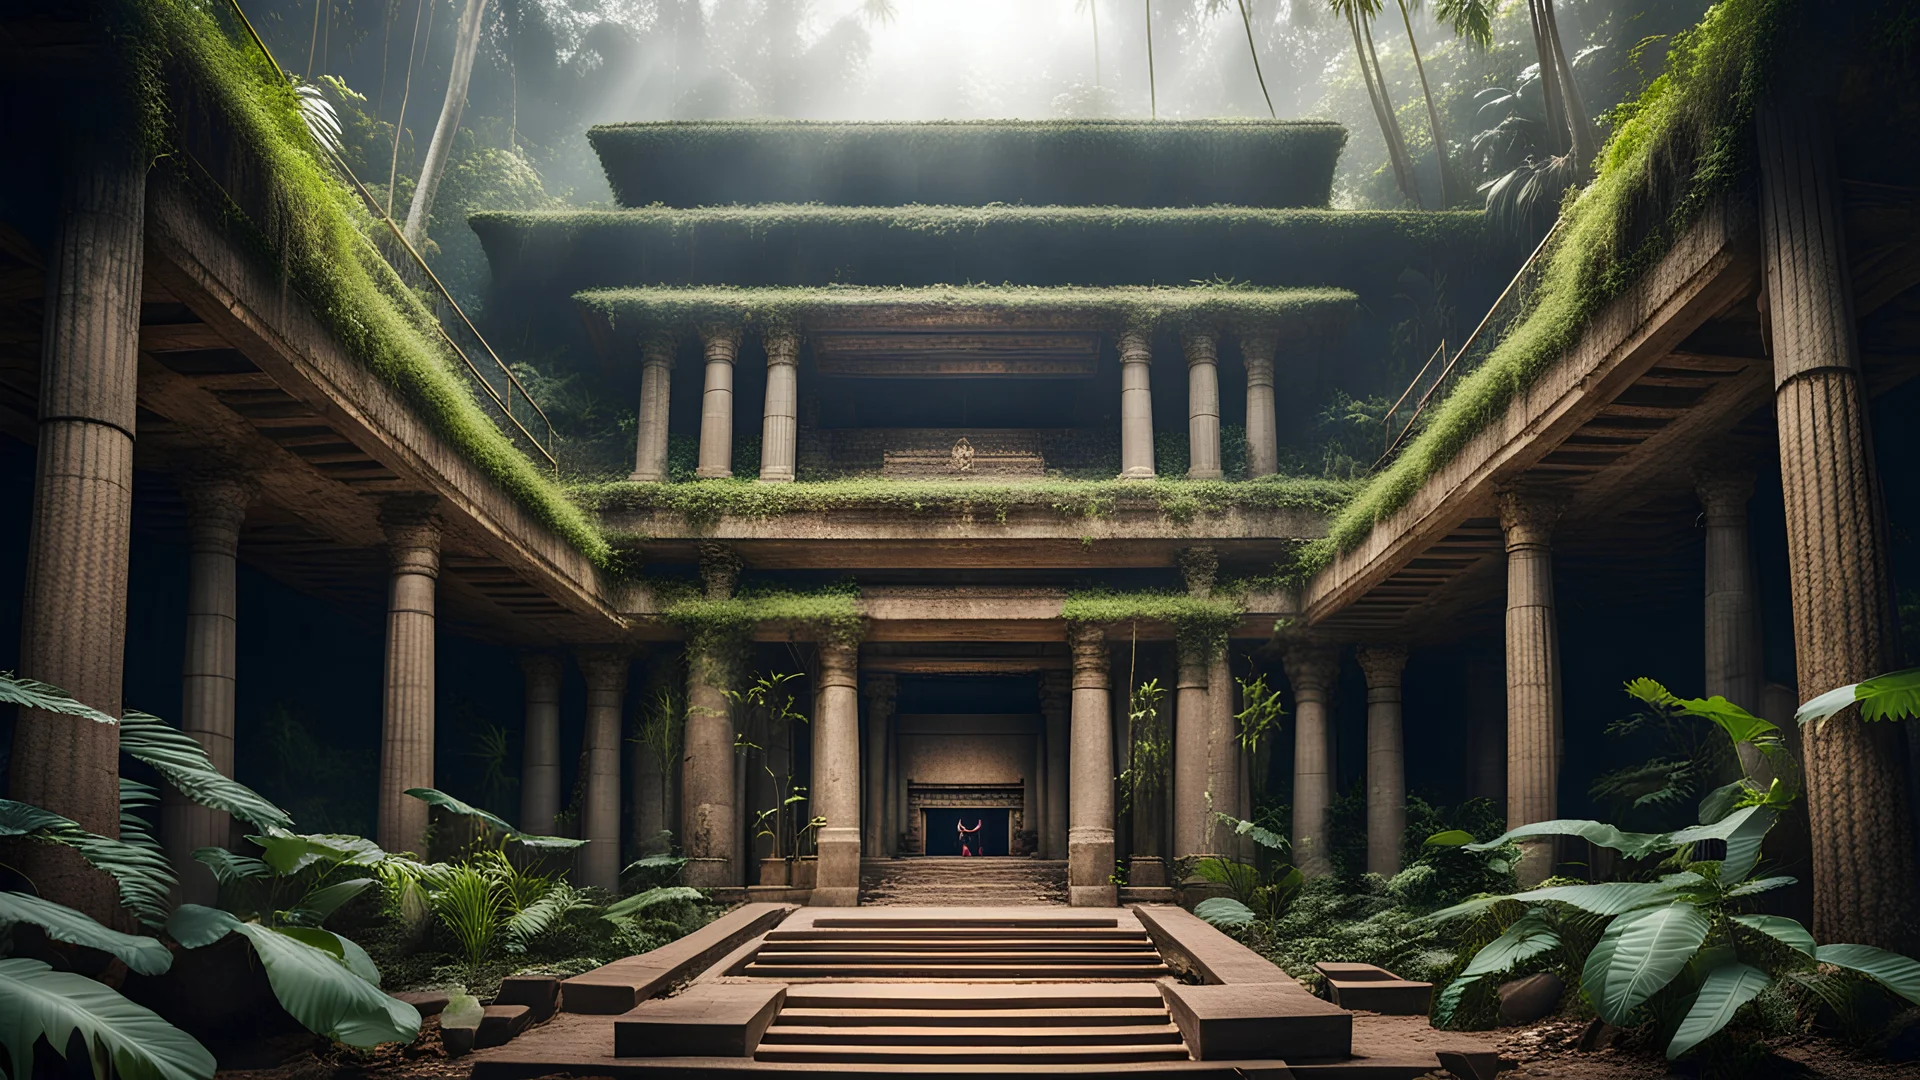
(943, 835)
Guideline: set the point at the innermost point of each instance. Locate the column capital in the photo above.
(1383, 664)
(1090, 656)
(540, 669)
(719, 569)
(412, 525)
(839, 665)
(783, 347)
(720, 343)
(1201, 345)
(605, 669)
(1257, 351)
(1200, 566)
(217, 498)
(1136, 347)
(882, 692)
(656, 350)
(1528, 515)
(1311, 669)
(1723, 495)
(1194, 661)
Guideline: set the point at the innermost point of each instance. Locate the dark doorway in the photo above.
(943, 833)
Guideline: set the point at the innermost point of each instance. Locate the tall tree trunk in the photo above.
(1433, 115)
(1380, 112)
(1399, 138)
(1153, 93)
(1578, 123)
(464, 46)
(1549, 78)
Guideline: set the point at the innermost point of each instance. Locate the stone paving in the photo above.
(980, 882)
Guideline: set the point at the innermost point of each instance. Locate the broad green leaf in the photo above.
(1449, 1000)
(1528, 937)
(1743, 830)
(639, 902)
(1224, 911)
(184, 764)
(196, 926)
(656, 862)
(315, 985)
(1739, 724)
(144, 876)
(1894, 696)
(546, 843)
(1721, 801)
(34, 694)
(542, 915)
(38, 1002)
(1650, 947)
(1725, 989)
(323, 940)
(141, 954)
(1450, 838)
(1826, 704)
(290, 853)
(1760, 885)
(1607, 898)
(1897, 973)
(435, 797)
(323, 902)
(227, 866)
(358, 961)
(1632, 845)
(1265, 837)
(1465, 907)
(1650, 692)
(1786, 931)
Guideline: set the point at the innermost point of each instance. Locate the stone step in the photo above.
(894, 944)
(844, 1053)
(784, 1034)
(1023, 921)
(935, 970)
(1009, 1018)
(959, 933)
(965, 996)
(772, 955)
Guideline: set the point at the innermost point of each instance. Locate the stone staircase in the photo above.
(955, 946)
(962, 882)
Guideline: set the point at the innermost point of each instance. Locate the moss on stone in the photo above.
(1199, 622)
(826, 614)
(1148, 308)
(1685, 141)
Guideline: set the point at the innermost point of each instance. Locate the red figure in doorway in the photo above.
(965, 832)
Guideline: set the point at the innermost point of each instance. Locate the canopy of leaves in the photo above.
(123, 1039)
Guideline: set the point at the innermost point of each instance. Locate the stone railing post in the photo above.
(606, 675)
(1203, 406)
(73, 618)
(540, 756)
(1533, 674)
(780, 431)
(881, 694)
(1843, 614)
(1090, 790)
(1263, 442)
(1136, 406)
(1311, 671)
(406, 745)
(656, 395)
(720, 345)
(1386, 757)
(836, 777)
(216, 507)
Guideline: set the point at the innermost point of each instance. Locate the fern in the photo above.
(541, 916)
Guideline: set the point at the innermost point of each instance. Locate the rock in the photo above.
(501, 1023)
(1473, 1064)
(457, 1040)
(1523, 1001)
(539, 993)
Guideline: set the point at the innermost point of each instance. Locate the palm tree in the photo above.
(1359, 15)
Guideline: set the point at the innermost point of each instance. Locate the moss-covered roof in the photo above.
(1066, 162)
(1221, 308)
(547, 257)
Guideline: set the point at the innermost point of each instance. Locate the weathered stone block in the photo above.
(1261, 1020)
(1375, 989)
(539, 993)
(500, 1023)
(708, 1020)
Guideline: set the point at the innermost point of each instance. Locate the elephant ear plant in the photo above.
(1682, 949)
(324, 980)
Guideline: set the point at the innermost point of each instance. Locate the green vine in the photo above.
(1200, 623)
(829, 614)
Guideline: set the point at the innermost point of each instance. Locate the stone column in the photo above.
(780, 429)
(1386, 758)
(721, 344)
(540, 753)
(1533, 674)
(1203, 406)
(656, 393)
(1090, 790)
(406, 745)
(1844, 625)
(1223, 755)
(882, 691)
(1192, 736)
(706, 781)
(1311, 671)
(1056, 712)
(73, 619)
(1734, 662)
(1136, 406)
(599, 862)
(216, 505)
(836, 777)
(1263, 440)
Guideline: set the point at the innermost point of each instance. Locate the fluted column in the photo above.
(720, 345)
(1386, 758)
(1090, 790)
(1056, 712)
(1263, 439)
(540, 753)
(1533, 674)
(1311, 671)
(1223, 755)
(606, 675)
(1844, 625)
(1733, 659)
(1193, 733)
(711, 832)
(406, 745)
(73, 618)
(656, 394)
(836, 777)
(1203, 406)
(1136, 406)
(882, 691)
(216, 506)
(780, 429)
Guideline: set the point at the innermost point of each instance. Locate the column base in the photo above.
(1090, 860)
(1093, 896)
(708, 873)
(837, 879)
(1204, 474)
(835, 897)
(1146, 872)
(712, 474)
(1137, 474)
(646, 478)
(784, 476)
